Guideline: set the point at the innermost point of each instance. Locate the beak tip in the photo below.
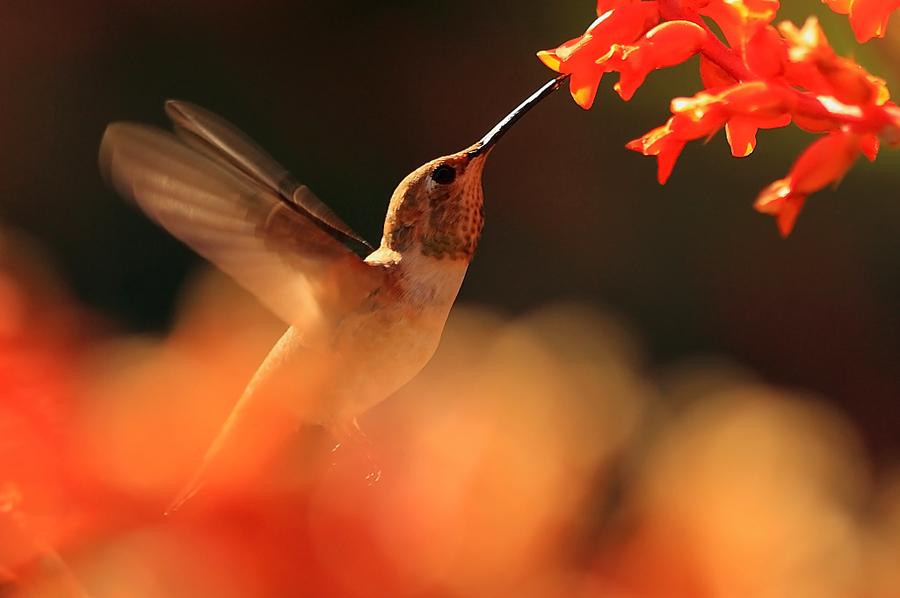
(488, 141)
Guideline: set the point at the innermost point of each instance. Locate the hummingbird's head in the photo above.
(437, 209)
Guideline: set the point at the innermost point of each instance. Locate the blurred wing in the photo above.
(282, 255)
(221, 141)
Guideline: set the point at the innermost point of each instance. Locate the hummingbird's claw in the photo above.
(352, 433)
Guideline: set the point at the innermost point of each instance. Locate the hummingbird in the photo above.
(362, 320)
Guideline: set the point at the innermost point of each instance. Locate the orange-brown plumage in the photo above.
(445, 221)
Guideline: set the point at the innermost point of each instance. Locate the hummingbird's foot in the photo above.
(350, 432)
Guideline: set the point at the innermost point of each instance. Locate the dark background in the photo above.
(351, 96)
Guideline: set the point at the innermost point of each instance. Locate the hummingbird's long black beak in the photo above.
(488, 141)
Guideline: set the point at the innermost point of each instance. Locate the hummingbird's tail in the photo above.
(278, 398)
(189, 490)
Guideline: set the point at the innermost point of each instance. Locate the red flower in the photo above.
(665, 45)
(766, 53)
(744, 107)
(767, 78)
(867, 17)
(665, 143)
(739, 20)
(578, 56)
(824, 162)
(813, 65)
(741, 132)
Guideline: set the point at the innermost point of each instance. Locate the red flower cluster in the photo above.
(766, 77)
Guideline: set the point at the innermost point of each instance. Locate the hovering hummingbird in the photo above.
(363, 321)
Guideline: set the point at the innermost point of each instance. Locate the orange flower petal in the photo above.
(583, 86)
(813, 65)
(851, 84)
(741, 135)
(814, 125)
(741, 132)
(667, 44)
(765, 53)
(550, 58)
(759, 100)
(842, 7)
(714, 76)
(869, 147)
(578, 56)
(824, 162)
(769, 105)
(740, 19)
(779, 200)
(869, 17)
(660, 142)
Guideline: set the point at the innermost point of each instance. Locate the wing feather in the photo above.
(284, 256)
(221, 141)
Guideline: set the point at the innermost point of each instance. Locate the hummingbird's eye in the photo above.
(443, 174)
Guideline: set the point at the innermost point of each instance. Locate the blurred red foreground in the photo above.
(531, 458)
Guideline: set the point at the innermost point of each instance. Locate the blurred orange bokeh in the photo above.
(532, 457)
